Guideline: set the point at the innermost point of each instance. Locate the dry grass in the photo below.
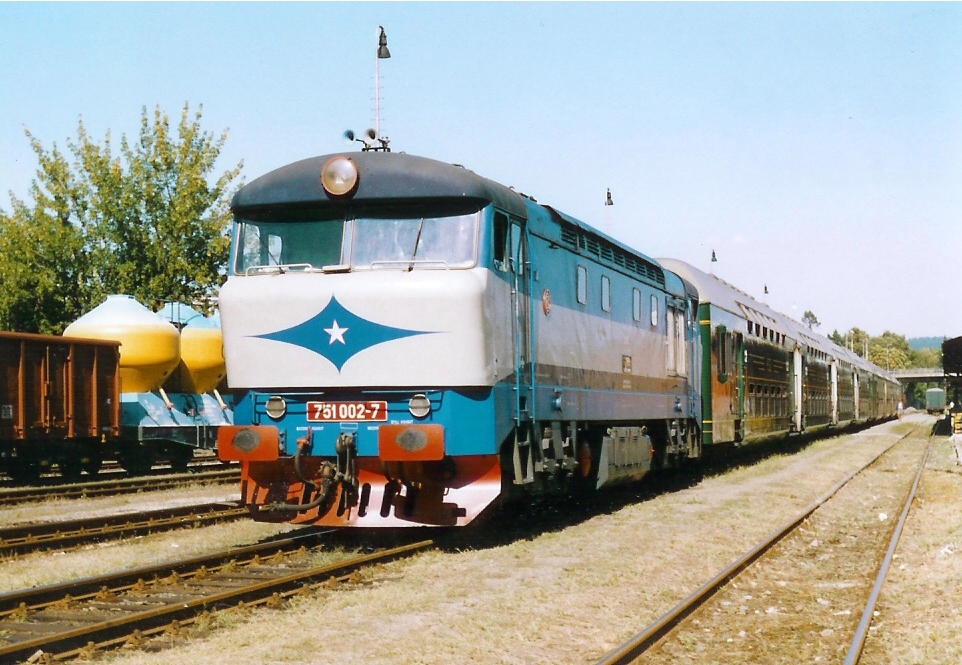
(919, 619)
(56, 508)
(97, 559)
(53, 567)
(560, 597)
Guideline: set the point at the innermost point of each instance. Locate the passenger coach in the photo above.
(768, 375)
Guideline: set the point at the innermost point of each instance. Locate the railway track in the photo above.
(676, 633)
(126, 485)
(59, 535)
(113, 471)
(64, 621)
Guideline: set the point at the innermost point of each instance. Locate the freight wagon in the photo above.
(58, 403)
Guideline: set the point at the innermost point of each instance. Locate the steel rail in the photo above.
(854, 653)
(181, 608)
(111, 487)
(42, 596)
(24, 538)
(639, 643)
(111, 470)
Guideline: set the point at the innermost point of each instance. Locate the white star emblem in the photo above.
(336, 333)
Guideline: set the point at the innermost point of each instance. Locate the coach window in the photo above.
(654, 311)
(582, 285)
(636, 304)
(605, 293)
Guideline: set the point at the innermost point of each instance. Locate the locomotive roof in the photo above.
(389, 176)
(714, 290)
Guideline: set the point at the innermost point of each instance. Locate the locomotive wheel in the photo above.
(585, 477)
(585, 466)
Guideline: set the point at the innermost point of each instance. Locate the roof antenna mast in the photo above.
(372, 139)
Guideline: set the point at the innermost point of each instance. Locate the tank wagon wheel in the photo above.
(180, 457)
(136, 460)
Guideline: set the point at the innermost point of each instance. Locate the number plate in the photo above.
(324, 412)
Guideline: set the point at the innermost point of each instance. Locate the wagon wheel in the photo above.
(70, 468)
(137, 461)
(25, 471)
(91, 464)
(180, 458)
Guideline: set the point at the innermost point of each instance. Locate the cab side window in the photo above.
(500, 237)
(582, 286)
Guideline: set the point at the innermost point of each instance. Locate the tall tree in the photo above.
(810, 320)
(889, 351)
(151, 222)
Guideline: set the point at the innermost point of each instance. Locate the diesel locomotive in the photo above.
(408, 342)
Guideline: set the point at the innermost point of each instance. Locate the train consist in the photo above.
(122, 383)
(408, 342)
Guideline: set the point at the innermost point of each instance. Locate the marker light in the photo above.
(419, 406)
(339, 176)
(276, 407)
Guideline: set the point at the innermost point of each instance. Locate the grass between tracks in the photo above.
(919, 620)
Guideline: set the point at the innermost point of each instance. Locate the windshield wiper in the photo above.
(417, 240)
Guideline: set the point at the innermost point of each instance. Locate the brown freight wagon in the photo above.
(59, 403)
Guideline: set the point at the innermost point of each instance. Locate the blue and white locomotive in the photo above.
(407, 341)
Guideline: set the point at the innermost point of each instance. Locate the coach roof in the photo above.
(387, 176)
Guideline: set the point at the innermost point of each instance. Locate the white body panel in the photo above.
(437, 318)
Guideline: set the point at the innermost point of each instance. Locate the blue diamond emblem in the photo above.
(339, 334)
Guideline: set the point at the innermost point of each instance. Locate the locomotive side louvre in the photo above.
(408, 350)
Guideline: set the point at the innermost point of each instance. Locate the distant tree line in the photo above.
(149, 220)
(888, 350)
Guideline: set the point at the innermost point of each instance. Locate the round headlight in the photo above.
(419, 406)
(276, 407)
(339, 176)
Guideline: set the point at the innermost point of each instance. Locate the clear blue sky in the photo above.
(815, 147)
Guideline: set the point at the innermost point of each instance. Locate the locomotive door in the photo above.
(521, 323)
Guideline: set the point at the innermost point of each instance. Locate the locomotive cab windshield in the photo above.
(440, 236)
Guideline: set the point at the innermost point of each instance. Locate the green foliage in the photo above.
(150, 222)
(925, 358)
(856, 340)
(810, 320)
(889, 350)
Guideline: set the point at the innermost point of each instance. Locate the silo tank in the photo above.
(202, 354)
(149, 346)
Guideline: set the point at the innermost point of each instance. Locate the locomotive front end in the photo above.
(357, 346)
